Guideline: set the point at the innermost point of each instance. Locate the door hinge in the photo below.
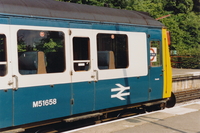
(70, 32)
(71, 72)
(150, 90)
(72, 101)
(149, 67)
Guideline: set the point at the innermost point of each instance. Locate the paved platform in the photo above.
(185, 72)
(183, 118)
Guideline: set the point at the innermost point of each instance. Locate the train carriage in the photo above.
(61, 59)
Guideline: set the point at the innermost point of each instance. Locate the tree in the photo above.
(184, 22)
(179, 6)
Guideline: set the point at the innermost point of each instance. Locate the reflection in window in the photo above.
(155, 54)
(3, 55)
(40, 51)
(112, 51)
(81, 53)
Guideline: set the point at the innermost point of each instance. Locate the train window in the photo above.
(155, 54)
(40, 51)
(81, 53)
(112, 51)
(3, 55)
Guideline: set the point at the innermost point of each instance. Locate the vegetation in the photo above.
(183, 23)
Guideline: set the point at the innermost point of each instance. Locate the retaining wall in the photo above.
(185, 82)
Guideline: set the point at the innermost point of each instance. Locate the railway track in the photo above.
(183, 96)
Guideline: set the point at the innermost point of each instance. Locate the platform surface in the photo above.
(183, 118)
(185, 72)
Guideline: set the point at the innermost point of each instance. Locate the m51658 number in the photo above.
(42, 103)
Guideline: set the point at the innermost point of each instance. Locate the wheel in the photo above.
(172, 101)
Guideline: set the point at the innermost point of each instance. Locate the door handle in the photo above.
(16, 82)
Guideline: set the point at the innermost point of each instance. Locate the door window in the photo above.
(155, 54)
(3, 55)
(40, 51)
(81, 53)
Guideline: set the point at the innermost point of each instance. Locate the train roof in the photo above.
(56, 9)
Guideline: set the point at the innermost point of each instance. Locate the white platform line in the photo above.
(177, 110)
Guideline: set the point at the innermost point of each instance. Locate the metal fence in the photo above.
(185, 61)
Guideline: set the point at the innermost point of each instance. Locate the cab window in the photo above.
(155, 54)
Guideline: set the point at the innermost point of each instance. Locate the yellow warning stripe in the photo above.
(167, 70)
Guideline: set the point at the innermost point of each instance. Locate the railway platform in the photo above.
(185, 72)
(185, 79)
(183, 118)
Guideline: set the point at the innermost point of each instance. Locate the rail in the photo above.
(188, 95)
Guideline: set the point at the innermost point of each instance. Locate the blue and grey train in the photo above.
(60, 60)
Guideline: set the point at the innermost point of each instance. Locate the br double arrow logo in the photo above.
(121, 92)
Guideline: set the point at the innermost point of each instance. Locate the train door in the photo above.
(42, 88)
(82, 73)
(122, 68)
(113, 86)
(6, 79)
(155, 65)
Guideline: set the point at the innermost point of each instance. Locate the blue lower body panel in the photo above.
(41, 103)
(34, 104)
(83, 95)
(156, 83)
(6, 108)
(137, 91)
